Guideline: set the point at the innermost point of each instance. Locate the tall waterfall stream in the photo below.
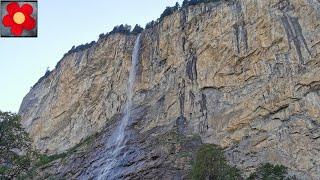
(117, 140)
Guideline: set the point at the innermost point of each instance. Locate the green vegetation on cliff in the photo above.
(270, 172)
(43, 159)
(187, 3)
(170, 10)
(210, 163)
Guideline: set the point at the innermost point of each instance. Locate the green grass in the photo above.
(45, 159)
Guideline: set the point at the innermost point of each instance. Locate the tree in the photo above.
(15, 157)
(177, 6)
(151, 24)
(47, 72)
(123, 29)
(137, 29)
(79, 48)
(102, 35)
(185, 3)
(210, 163)
(268, 171)
(168, 11)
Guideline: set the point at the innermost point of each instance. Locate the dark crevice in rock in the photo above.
(192, 67)
(181, 123)
(241, 34)
(183, 18)
(203, 103)
(209, 88)
(236, 32)
(192, 99)
(183, 44)
(182, 96)
(294, 34)
(298, 29)
(203, 125)
(239, 28)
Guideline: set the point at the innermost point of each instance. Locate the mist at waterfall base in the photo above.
(104, 167)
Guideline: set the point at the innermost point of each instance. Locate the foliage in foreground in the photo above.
(17, 159)
(15, 154)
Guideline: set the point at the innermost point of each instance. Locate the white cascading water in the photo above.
(117, 140)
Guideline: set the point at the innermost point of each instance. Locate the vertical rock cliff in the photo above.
(243, 75)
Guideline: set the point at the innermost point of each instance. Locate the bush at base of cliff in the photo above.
(210, 163)
(270, 172)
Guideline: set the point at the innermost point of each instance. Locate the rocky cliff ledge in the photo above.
(244, 75)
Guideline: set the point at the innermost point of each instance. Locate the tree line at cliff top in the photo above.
(170, 10)
(126, 29)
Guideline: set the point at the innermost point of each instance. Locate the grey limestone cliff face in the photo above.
(243, 75)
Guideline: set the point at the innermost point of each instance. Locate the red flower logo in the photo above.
(19, 18)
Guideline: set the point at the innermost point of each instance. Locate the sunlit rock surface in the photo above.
(244, 75)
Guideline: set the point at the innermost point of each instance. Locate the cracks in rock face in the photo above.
(305, 89)
(293, 30)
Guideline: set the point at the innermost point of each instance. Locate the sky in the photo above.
(62, 24)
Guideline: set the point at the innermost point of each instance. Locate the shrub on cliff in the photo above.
(210, 163)
(169, 10)
(123, 29)
(80, 47)
(270, 172)
(151, 24)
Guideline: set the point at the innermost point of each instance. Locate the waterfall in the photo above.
(117, 141)
(120, 133)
